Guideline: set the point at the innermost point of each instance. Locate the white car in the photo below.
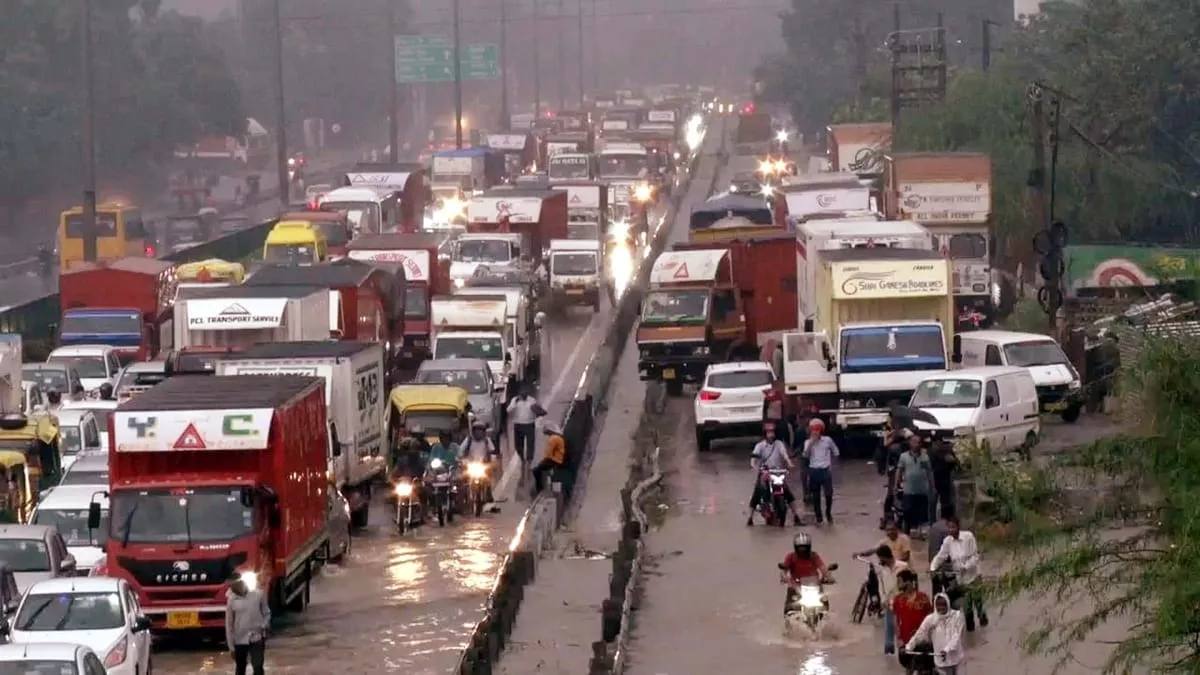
(730, 401)
(101, 613)
(79, 429)
(49, 658)
(100, 408)
(97, 364)
(65, 508)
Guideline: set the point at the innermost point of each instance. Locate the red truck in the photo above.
(212, 479)
(124, 303)
(368, 306)
(416, 257)
(712, 302)
(539, 214)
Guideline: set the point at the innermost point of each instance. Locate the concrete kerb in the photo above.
(536, 529)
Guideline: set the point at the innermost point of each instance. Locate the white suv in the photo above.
(730, 401)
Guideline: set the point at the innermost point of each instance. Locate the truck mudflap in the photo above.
(866, 420)
(681, 370)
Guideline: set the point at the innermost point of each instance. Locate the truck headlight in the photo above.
(459, 283)
(700, 351)
(1075, 385)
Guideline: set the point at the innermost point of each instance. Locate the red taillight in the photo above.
(772, 394)
(150, 250)
(706, 395)
(314, 205)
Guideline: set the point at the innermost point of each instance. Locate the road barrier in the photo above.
(545, 513)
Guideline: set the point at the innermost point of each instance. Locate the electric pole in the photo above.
(393, 116)
(537, 60)
(458, 103)
(918, 65)
(281, 154)
(505, 119)
(581, 84)
(595, 49)
(89, 136)
(560, 30)
(987, 43)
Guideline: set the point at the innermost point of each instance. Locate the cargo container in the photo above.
(214, 478)
(950, 194)
(240, 316)
(406, 184)
(858, 148)
(125, 303)
(587, 209)
(732, 216)
(535, 215)
(763, 267)
(355, 386)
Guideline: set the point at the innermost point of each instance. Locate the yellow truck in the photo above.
(295, 242)
(880, 320)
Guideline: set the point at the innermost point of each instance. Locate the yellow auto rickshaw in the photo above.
(36, 440)
(295, 242)
(212, 272)
(434, 408)
(17, 491)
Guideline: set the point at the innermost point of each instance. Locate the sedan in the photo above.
(101, 613)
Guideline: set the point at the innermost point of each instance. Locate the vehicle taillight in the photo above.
(116, 655)
(149, 250)
(772, 394)
(706, 395)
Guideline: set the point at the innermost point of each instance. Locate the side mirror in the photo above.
(94, 516)
(273, 517)
(335, 448)
(142, 624)
(67, 564)
(808, 325)
(508, 357)
(990, 402)
(956, 349)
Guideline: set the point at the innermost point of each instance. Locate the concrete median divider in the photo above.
(546, 513)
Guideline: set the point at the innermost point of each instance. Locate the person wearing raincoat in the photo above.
(943, 628)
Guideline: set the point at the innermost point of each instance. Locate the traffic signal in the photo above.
(1051, 243)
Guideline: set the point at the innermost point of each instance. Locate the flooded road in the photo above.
(406, 604)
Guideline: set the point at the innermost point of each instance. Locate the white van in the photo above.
(1058, 384)
(997, 405)
(66, 509)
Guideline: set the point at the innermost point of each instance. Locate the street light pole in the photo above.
(281, 155)
(458, 103)
(581, 85)
(537, 61)
(505, 120)
(595, 49)
(559, 29)
(393, 116)
(89, 136)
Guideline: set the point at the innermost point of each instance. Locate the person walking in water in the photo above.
(247, 618)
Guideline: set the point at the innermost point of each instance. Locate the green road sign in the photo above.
(423, 58)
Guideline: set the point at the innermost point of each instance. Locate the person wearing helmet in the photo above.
(819, 453)
(555, 457)
(771, 454)
(479, 448)
(802, 562)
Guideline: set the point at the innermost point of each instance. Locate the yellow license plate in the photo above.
(180, 620)
(574, 292)
(1055, 407)
(668, 373)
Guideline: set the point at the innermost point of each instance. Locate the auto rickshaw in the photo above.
(17, 489)
(211, 272)
(435, 408)
(37, 440)
(295, 242)
(332, 225)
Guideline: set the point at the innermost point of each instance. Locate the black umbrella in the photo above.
(905, 417)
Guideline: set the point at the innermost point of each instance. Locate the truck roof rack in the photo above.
(315, 349)
(204, 392)
(248, 290)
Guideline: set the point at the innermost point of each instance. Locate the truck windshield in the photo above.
(104, 324)
(1034, 353)
(946, 394)
(472, 380)
(573, 263)
(485, 250)
(73, 525)
(416, 301)
(452, 347)
(180, 515)
(568, 167)
(624, 166)
(86, 366)
(892, 348)
(675, 307)
(364, 217)
(290, 253)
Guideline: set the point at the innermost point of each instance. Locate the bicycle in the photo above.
(868, 600)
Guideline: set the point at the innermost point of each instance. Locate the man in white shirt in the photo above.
(523, 412)
(962, 552)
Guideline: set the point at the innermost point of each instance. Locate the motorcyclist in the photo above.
(802, 563)
(770, 454)
(444, 450)
(479, 448)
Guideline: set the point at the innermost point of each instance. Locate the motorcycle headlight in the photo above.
(405, 489)
(476, 470)
(810, 597)
(436, 464)
(250, 578)
(1075, 385)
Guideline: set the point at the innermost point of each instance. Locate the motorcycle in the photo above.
(442, 490)
(774, 507)
(807, 603)
(868, 600)
(408, 506)
(920, 660)
(477, 486)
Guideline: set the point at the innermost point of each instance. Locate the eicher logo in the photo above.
(876, 282)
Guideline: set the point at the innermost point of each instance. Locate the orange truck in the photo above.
(949, 193)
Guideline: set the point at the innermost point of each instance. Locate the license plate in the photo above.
(747, 409)
(574, 292)
(668, 373)
(1055, 407)
(181, 620)
(441, 483)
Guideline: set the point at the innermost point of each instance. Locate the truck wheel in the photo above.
(674, 387)
(703, 442)
(1071, 414)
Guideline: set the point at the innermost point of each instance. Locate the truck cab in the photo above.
(691, 316)
(587, 209)
(125, 303)
(476, 328)
(522, 323)
(506, 226)
(295, 242)
(568, 166)
(576, 272)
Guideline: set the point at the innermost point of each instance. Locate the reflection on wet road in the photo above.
(406, 604)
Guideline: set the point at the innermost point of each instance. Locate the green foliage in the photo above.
(158, 83)
(1113, 533)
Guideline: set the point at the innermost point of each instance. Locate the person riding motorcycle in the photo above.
(771, 454)
(479, 448)
(802, 563)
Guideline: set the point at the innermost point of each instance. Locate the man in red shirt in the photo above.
(910, 607)
(802, 562)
